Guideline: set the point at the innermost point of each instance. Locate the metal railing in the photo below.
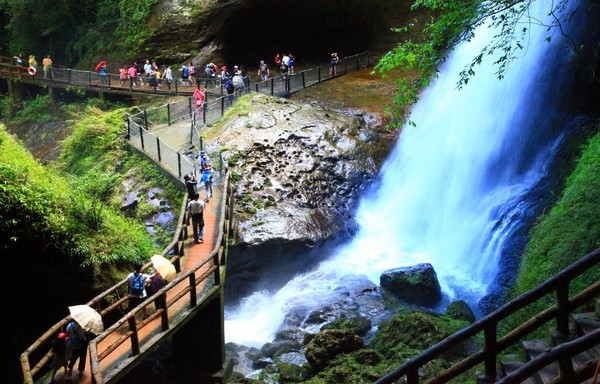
(140, 125)
(488, 326)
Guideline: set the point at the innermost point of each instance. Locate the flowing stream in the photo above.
(454, 188)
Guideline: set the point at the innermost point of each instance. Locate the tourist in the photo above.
(199, 97)
(334, 62)
(147, 71)
(47, 66)
(76, 347)
(59, 355)
(156, 284)
(196, 209)
(206, 178)
(185, 76)
(263, 71)
(192, 71)
(203, 160)
(136, 282)
(168, 76)
(103, 73)
(139, 69)
(190, 184)
(238, 84)
(133, 74)
(32, 64)
(290, 64)
(224, 75)
(123, 75)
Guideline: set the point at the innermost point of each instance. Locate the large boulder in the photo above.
(328, 344)
(460, 310)
(417, 284)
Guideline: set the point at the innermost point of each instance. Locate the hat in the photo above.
(62, 335)
(235, 66)
(262, 61)
(224, 68)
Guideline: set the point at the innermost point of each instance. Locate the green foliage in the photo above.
(32, 205)
(40, 109)
(73, 28)
(94, 143)
(565, 234)
(439, 26)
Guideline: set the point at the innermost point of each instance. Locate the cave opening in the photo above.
(310, 29)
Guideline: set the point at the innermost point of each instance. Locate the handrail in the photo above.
(42, 346)
(488, 325)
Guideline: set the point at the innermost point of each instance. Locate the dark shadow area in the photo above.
(311, 30)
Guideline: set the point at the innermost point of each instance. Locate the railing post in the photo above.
(256, 86)
(412, 376)
(175, 81)
(69, 72)
(303, 80)
(169, 114)
(164, 316)
(128, 127)
(158, 148)
(193, 297)
(204, 108)
(272, 86)
(222, 106)
(489, 351)
(191, 109)
(90, 78)
(135, 341)
(179, 163)
(108, 78)
(562, 315)
(142, 136)
(146, 119)
(319, 74)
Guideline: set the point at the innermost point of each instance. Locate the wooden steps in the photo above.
(581, 324)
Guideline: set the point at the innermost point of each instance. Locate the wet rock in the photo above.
(460, 310)
(280, 347)
(328, 344)
(417, 284)
(291, 373)
(358, 324)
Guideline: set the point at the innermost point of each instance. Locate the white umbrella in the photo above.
(87, 318)
(164, 267)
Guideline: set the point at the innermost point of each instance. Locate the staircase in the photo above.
(569, 354)
(575, 367)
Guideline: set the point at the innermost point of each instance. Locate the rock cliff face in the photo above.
(244, 32)
(298, 170)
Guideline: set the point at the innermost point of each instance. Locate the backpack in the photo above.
(229, 86)
(137, 285)
(196, 208)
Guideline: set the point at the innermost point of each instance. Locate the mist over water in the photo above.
(450, 193)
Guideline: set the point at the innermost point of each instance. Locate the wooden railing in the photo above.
(35, 360)
(488, 326)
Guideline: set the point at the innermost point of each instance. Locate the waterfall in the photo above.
(454, 187)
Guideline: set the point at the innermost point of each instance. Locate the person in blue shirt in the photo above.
(206, 178)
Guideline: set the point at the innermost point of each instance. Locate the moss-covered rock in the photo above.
(328, 344)
(416, 284)
(290, 373)
(460, 310)
(417, 331)
(358, 324)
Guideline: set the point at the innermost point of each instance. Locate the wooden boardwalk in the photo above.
(130, 339)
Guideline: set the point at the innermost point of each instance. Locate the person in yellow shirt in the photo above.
(47, 66)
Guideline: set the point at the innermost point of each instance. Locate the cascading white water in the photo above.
(442, 191)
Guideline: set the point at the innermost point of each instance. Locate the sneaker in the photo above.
(81, 372)
(201, 240)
